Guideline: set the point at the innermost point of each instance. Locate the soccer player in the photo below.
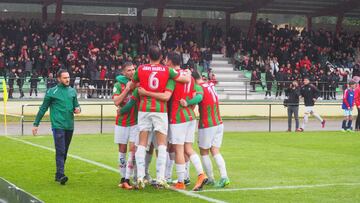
(310, 94)
(182, 126)
(63, 104)
(347, 106)
(153, 78)
(126, 129)
(210, 130)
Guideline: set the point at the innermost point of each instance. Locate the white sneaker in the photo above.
(86, 96)
(100, 96)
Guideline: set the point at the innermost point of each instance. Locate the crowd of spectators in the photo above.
(285, 54)
(93, 53)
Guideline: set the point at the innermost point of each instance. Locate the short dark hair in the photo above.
(61, 71)
(174, 58)
(126, 64)
(195, 74)
(154, 52)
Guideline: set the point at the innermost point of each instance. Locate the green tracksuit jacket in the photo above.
(62, 101)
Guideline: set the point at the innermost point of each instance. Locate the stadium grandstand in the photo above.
(179, 100)
(236, 56)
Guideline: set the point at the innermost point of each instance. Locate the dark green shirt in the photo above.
(62, 101)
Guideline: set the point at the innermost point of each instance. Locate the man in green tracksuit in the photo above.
(63, 103)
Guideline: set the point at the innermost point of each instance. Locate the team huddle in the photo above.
(156, 111)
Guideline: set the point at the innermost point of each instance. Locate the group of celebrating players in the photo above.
(156, 111)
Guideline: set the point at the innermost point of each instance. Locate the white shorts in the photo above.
(123, 135)
(212, 136)
(347, 112)
(182, 132)
(309, 109)
(153, 120)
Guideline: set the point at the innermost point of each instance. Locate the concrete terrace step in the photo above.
(230, 84)
(225, 76)
(222, 66)
(216, 62)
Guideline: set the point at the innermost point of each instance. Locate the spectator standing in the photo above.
(280, 77)
(12, 78)
(269, 77)
(34, 80)
(292, 103)
(50, 82)
(20, 81)
(207, 58)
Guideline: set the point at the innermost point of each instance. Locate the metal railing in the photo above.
(101, 118)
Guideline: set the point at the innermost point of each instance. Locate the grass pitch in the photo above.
(263, 167)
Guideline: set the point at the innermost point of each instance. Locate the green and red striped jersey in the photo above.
(209, 107)
(130, 118)
(178, 113)
(154, 78)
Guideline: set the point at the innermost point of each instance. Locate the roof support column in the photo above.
(308, 23)
(339, 21)
(44, 13)
(139, 15)
(159, 18)
(227, 22)
(58, 10)
(252, 23)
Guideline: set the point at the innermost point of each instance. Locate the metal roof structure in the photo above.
(310, 8)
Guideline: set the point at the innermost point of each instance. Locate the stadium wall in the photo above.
(240, 109)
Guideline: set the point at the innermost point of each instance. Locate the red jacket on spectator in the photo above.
(102, 74)
(306, 63)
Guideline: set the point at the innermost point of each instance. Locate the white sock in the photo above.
(180, 170)
(130, 165)
(208, 166)
(317, 116)
(169, 165)
(140, 161)
(195, 160)
(122, 164)
(187, 172)
(148, 158)
(161, 162)
(221, 165)
(306, 119)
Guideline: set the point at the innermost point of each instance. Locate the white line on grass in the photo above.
(187, 193)
(281, 187)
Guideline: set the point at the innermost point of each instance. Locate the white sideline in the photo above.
(187, 193)
(280, 187)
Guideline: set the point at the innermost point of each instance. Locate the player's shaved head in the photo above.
(174, 58)
(154, 53)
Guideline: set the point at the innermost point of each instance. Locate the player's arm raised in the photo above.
(134, 97)
(120, 96)
(183, 77)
